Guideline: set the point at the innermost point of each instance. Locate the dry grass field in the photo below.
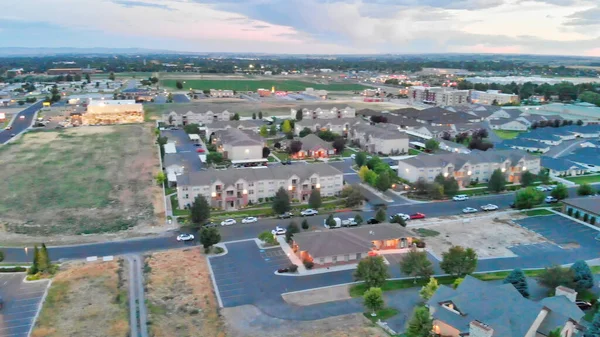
(180, 302)
(87, 300)
(80, 181)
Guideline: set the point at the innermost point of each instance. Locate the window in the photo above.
(251, 192)
(321, 260)
(346, 257)
(186, 196)
(334, 259)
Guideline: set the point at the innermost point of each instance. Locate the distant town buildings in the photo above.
(494, 97)
(64, 71)
(183, 117)
(319, 113)
(437, 95)
(214, 93)
(104, 112)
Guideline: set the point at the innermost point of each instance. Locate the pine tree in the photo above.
(42, 260)
(519, 281)
(46, 257)
(421, 324)
(593, 329)
(34, 265)
(584, 279)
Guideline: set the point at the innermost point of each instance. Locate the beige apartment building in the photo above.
(491, 96)
(438, 96)
(113, 112)
(385, 139)
(190, 117)
(319, 113)
(234, 188)
(214, 93)
(239, 145)
(467, 167)
(339, 125)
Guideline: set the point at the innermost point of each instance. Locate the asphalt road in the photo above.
(21, 302)
(19, 125)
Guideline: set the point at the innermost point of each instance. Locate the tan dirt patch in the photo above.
(316, 296)
(85, 299)
(180, 295)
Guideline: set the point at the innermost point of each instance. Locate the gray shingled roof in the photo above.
(380, 131)
(333, 121)
(235, 136)
(312, 142)
(459, 159)
(560, 164)
(588, 204)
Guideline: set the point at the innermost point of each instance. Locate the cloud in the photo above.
(587, 17)
(132, 3)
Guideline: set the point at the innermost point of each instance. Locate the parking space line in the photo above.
(18, 319)
(229, 284)
(232, 296)
(28, 299)
(29, 292)
(13, 334)
(13, 327)
(26, 305)
(21, 312)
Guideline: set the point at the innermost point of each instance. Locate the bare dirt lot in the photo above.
(317, 296)
(85, 300)
(489, 234)
(83, 180)
(181, 303)
(248, 321)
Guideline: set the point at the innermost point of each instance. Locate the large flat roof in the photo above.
(588, 204)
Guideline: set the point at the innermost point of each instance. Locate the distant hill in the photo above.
(23, 51)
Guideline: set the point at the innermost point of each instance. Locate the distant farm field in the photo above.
(79, 181)
(249, 85)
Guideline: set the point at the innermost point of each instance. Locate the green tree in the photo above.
(527, 179)
(421, 324)
(372, 270)
(44, 263)
(383, 182)
(555, 333)
(544, 176)
(273, 130)
(362, 173)
(373, 300)
(416, 264)
(235, 117)
(435, 191)
(179, 85)
(451, 187)
(304, 132)
(457, 282)
(87, 78)
(314, 201)
(432, 145)
(191, 128)
(111, 76)
(260, 115)
(1, 256)
(305, 224)
(34, 269)
(291, 229)
(281, 201)
(263, 131)
(560, 192)
(160, 178)
(358, 219)
(497, 181)
(371, 178)
(267, 237)
(254, 115)
(519, 281)
(214, 158)
(583, 277)
(360, 159)
(286, 127)
(458, 261)
(299, 115)
(429, 289)
(199, 211)
(399, 220)
(555, 276)
(209, 236)
(528, 197)
(354, 197)
(380, 215)
(330, 221)
(593, 330)
(585, 189)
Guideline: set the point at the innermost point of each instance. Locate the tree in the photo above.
(457, 282)
(435, 190)
(339, 144)
(421, 324)
(416, 264)
(199, 211)
(295, 147)
(314, 201)
(160, 178)
(593, 330)
(214, 158)
(358, 219)
(360, 159)
(263, 131)
(286, 127)
(362, 173)
(585, 189)
(69, 78)
(497, 181)
(273, 130)
(399, 220)
(528, 197)
(527, 179)
(519, 281)
(111, 76)
(458, 261)
(429, 289)
(451, 187)
(372, 270)
(383, 182)
(583, 277)
(555, 276)
(267, 237)
(44, 263)
(235, 117)
(291, 229)
(304, 132)
(34, 269)
(254, 115)
(305, 224)
(209, 236)
(179, 85)
(432, 145)
(1, 256)
(560, 192)
(330, 222)
(191, 128)
(87, 78)
(373, 300)
(281, 201)
(266, 152)
(380, 215)
(579, 122)
(544, 176)
(260, 115)
(299, 114)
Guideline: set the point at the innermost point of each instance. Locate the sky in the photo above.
(555, 27)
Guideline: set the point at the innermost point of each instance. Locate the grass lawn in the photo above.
(175, 207)
(348, 152)
(281, 155)
(537, 212)
(590, 179)
(170, 190)
(271, 159)
(504, 134)
(382, 314)
(426, 232)
(413, 152)
(251, 85)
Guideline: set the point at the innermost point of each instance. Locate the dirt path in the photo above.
(137, 303)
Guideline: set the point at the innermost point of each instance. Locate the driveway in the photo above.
(21, 302)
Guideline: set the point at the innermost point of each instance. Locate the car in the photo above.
(372, 221)
(460, 197)
(402, 215)
(583, 305)
(550, 200)
(209, 225)
(21, 117)
(309, 212)
(469, 210)
(196, 144)
(541, 188)
(185, 237)
(550, 187)
(228, 222)
(285, 215)
(8, 128)
(512, 205)
(417, 216)
(249, 219)
(349, 222)
(353, 156)
(278, 231)
(12, 135)
(200, 150)
(489, 207)
(283, 270)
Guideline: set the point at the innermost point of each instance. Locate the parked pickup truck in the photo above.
(338, 223)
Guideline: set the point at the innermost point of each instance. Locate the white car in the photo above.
(541, 188)
(460, 197)
(309, 212)
(349, 222)
(469, 210)
(228, 222)
(353, 156)
(489, 207)
(249, 219)
(278, 231)
(404, 217)
(185, 237)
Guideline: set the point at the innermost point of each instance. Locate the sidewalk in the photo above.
(290, 253)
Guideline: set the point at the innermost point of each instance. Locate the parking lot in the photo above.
(566, 233)
(21, 301)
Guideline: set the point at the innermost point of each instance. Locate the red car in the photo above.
(200, 150)
(417, 216)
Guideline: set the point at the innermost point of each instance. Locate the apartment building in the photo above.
(494, 97)
(214, 93)
(339, 125)
(190, 117)
(313, 147)
(467, 167)
(239, 146)
(508, 125)
(251, 125)
(113, 112)
(438, 96)
(235, 188)
(379, 139)
(319, 113)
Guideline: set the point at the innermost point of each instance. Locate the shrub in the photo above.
(421, 244)
(585, 217)
(293, 268)
(13, 270)
(576, 214)
(570, 211)
(308, 264)
(593, 220)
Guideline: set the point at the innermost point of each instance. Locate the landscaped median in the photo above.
(585, 179)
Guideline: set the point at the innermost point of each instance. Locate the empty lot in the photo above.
(253, 85)
(79, 181)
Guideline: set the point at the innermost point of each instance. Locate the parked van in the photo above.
(338, 223)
